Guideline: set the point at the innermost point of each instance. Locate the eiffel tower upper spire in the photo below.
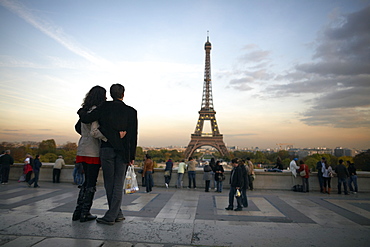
(207, 100)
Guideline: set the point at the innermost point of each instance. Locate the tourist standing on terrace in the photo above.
(219, 176)
(352, 177)
(88, 155)
(5, 160)
(342, 174)
(251, 175)
(327, 174)
(305, 176)
(180, 173)
(236, 184)
(319, 166)
(36, 171)
(192, 164)
(168, 172)
(147, 172)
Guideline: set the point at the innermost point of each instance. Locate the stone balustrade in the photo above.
(264, 180)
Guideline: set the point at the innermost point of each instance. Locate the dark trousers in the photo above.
(250, 181)
(326, 182)
(191, 175)
(5, 169)
(344, 182)
(321, 181)
(56, 175)
(35, 179)
(244, 196)
(305, 185)
(114, 170)
(208, 182)
(91, 172)
(149, 181)
(167, 179)
(231, 198)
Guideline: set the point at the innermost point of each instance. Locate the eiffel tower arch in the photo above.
(207, 113)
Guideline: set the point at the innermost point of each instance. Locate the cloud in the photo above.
(53, 32)
(338, 77)
(253, 69)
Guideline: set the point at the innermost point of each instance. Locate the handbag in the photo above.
(130, 185)
(167, 173)
(303, 173)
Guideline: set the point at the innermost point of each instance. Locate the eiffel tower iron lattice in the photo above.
(207, 113)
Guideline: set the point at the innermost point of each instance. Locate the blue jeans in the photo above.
(191, 175)
(35, 179)
(149, 181)
(114, 170)
(305, 185)
(219, 186)
(352, 179)
(344, 182)
(179, 179)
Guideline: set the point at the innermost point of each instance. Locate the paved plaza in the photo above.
(183, 217)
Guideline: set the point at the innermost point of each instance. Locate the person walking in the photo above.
(168, 172)
(304, 172)
(116, 153)
(180, 173)
(27, 168)
(219, 176)
(207, 176)
(319, 166)
(147, 172)
(342, 174)
(58, 165)
(327, 174)
(192, 164)
(36, 171)
(236, 183)
(352, 177)
(6, 161)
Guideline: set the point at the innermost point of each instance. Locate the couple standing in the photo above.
(108, 139)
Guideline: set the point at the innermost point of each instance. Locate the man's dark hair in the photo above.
(234, 160)
(340, 161)
(116, 91)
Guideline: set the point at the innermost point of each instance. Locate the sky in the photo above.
(283, 71)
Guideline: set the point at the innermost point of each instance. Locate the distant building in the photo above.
(339, 152)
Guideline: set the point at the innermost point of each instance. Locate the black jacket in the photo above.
(6, 160)
(115, 116)
(236, 177)
(341, 171)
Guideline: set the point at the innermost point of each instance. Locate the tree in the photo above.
(362, 161)
(47, 146)
(49, 158)
(70, 146)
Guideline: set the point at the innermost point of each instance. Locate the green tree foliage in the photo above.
(48, 158)
(47, 146)
(362, 161)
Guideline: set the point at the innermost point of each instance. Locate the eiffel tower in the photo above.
(207, 113)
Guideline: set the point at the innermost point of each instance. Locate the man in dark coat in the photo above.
(236, 184)
(116, 153)
(6, 161)
(342, 174)
(319, 166)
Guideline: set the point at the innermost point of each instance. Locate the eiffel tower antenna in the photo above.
(207, 113)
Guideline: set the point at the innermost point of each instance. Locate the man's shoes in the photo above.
(120, 218)
(229, 208)
(105, 222)
(238, 209)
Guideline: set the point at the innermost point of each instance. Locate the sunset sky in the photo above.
(283, 71)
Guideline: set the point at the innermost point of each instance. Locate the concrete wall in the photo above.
(264, 180)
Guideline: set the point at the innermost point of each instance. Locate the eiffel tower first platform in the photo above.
(207, 113)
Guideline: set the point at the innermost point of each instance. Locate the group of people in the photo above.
(346, 176)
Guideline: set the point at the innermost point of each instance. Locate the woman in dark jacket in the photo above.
(219, 176)
(168, 172)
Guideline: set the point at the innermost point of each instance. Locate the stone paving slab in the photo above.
(170, 217)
